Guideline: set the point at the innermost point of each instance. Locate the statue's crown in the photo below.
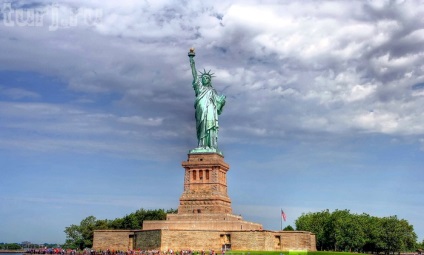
(208, 73)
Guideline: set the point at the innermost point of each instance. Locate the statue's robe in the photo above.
(208, 106)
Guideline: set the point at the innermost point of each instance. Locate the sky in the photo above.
(324, 108)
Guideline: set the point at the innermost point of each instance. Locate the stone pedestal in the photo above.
(205, 185)
(204, 220)
(204, 204)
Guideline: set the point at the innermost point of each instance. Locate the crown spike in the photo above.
(208, 73)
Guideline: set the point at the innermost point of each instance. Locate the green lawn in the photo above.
(288, 253)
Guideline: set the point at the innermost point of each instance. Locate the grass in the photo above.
(288, 253)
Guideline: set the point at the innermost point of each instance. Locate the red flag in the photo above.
(283, 215)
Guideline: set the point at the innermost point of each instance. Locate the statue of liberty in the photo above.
(208, 106)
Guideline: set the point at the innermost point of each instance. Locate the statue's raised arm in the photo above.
(191, 55)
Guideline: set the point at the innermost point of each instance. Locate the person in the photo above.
(208, 105)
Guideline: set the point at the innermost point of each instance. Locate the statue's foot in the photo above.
(205, 150)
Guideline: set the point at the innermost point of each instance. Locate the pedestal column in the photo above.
(205, 185)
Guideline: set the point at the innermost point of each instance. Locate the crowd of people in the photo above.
(60, 251)
(52, 251)
(157, 252)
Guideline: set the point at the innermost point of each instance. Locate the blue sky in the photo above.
(324, 108)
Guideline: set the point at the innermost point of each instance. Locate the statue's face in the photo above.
(206, 80)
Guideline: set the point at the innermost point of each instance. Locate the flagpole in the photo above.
(281, 218)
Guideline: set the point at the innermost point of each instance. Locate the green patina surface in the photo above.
(208, 105)
(205, 150)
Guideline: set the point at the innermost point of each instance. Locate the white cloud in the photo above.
(377, 122)
(137, 120)
(18, 93)
(359, 92)
(317, 67)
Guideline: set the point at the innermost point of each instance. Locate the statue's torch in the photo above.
(191, 53)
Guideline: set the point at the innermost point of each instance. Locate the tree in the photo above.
(420, 246)
(87, 227)
(74, 239)
(344, 231)
(317, 223)
(81, 236)
(131, 222)
(397, 235)
(11, 246)
(288, 228)
(348, 233)
(372, 230)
